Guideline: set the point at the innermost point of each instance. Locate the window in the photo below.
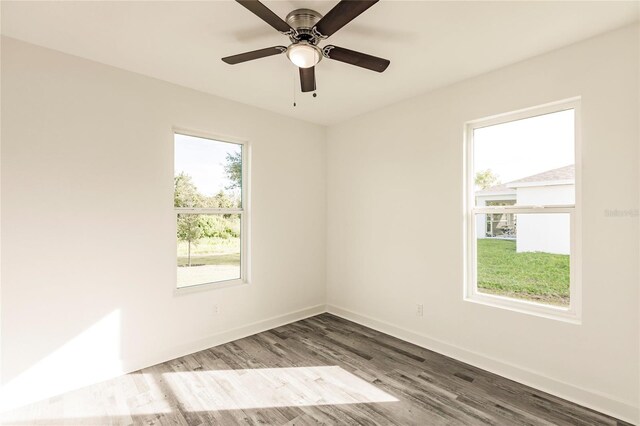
(210, 202)
(522, 240)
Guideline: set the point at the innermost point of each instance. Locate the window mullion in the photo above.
(200, 210)
(523, 209)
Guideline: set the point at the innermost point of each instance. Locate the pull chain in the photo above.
(294, 87)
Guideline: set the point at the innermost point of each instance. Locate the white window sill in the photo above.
(526, 307)
(209, 286)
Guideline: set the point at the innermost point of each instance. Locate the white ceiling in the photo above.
(430, 44)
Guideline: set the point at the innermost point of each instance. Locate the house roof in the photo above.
(501, 189)
(562, 174)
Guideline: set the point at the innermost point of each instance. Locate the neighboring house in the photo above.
(545, 232)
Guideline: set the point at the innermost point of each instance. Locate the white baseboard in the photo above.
(18, 393)
(623, 410)
(595, 400)
(223, 337)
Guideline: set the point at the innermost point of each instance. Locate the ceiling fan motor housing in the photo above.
(303, 21)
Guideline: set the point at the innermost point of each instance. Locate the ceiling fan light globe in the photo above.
(303, 55)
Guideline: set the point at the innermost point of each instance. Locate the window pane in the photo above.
(526, 256)
(527, 162)
(207, 173)
(208, 248)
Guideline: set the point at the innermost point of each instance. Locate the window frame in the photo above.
(242, 212)
(571, 314)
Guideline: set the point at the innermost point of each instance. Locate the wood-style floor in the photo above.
(321, 370)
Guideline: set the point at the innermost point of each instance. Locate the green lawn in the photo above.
(212, 259)
(536, 276)
(210, 246)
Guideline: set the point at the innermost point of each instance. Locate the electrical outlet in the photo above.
(420, 309)
(216, 310)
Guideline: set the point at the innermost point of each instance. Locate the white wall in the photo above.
(549, 195)
(549, 233)
(88, 259)
(395, 215)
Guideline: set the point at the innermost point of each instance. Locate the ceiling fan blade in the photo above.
(341, 14)
(358, 59)
(308, 79)
(266, 14)
(255, 54)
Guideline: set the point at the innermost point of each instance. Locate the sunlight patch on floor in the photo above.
(124, 396)
(271, 387)
(151, 393)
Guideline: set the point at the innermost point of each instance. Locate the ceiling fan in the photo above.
(306, 28)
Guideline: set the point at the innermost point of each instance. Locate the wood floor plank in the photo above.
(323, 370)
